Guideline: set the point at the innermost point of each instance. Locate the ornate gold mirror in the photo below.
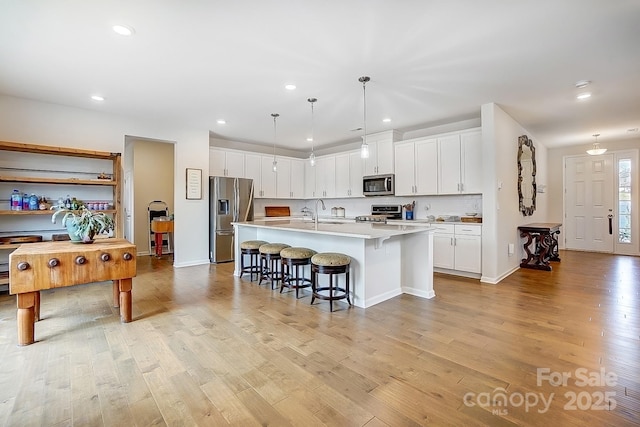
(526, 175)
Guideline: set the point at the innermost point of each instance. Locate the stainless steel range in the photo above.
(380, 213)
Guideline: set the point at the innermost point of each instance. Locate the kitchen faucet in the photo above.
(315, 219)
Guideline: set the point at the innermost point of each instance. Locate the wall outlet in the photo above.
(512, 249)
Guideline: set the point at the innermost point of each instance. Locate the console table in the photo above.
(47, 265)
(544, 237)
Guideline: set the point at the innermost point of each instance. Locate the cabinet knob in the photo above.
(105, 257)
(80, 260)
(127, 256)
(23, 265)
(53, 262)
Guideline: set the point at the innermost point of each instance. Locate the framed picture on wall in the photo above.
(194, 184)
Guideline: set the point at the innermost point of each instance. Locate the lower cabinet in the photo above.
(458, 247)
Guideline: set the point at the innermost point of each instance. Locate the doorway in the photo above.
(601, 203)
(149, 167)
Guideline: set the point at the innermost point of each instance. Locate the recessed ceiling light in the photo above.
(290, 87)
(97, 98)
(584, 95)
(309, 139)
(221, 122)
(386, 120)
(123, 30)
(581, 84)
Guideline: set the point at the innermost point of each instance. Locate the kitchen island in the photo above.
(386, 259)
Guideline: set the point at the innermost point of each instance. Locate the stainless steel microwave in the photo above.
(379, 185)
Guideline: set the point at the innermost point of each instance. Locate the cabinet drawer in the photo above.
(472, 230)
(444, 228)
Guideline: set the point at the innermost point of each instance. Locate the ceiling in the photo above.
(430, 63)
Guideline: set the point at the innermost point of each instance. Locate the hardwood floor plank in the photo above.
(228, 404)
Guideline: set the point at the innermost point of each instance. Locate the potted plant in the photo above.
(83, 224)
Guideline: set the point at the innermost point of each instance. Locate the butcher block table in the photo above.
(47, 265)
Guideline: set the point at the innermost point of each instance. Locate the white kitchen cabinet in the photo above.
(289, 178)
(443, 247)
(268, 178)
(259, 168)
(458, 247)
(325, 176)
(471, 158)
(283, 178)
(468, 248)
(380, 161)
(460, 163)
(309, 181)
(416, 166)
(297, 178)
(449, 164)
(348, 167)
(226, 163)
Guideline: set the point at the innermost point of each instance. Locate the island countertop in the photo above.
(361, 230)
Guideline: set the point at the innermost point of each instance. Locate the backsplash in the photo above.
(437, 205)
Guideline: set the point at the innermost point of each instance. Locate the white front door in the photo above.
(589, 203)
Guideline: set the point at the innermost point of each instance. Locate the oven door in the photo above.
(378, 185)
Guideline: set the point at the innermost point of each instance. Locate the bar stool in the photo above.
(294, 258)
(251, 248)
(270, 267)
(330, 263)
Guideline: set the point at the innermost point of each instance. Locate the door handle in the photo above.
(610, 216)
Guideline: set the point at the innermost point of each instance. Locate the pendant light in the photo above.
(364, 148)
(312, 156)
(275, 135)
(596, 150)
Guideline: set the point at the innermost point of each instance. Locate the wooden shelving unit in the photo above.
(114, 181)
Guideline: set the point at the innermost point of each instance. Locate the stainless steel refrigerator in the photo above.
(231, 200)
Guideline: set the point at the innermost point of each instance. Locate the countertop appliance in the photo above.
(380, 213)
(231, 200)
(379, 185)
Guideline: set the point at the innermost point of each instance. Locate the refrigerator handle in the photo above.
(236, 196)
(249, 204)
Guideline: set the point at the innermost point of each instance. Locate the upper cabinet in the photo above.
(325, 176)
(460, 163)
(348, 168)
(471, 161)
(309, 181)
(289, 178)
(226, 163)
(381, 153)
(416, 166)
(260, 169)
(440, 164)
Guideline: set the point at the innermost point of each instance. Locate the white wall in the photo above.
(501, 214)
(23, 120)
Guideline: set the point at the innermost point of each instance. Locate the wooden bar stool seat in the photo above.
(270, 267)
(251, 248)
(292, 260)
(330, 263)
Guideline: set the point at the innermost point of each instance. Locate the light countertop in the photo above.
(339, 227)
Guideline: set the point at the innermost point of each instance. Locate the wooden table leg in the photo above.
(26, 317)
(36, 307)
(125, 300)
(116, 293)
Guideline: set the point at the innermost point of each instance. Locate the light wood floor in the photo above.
(206, 348)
